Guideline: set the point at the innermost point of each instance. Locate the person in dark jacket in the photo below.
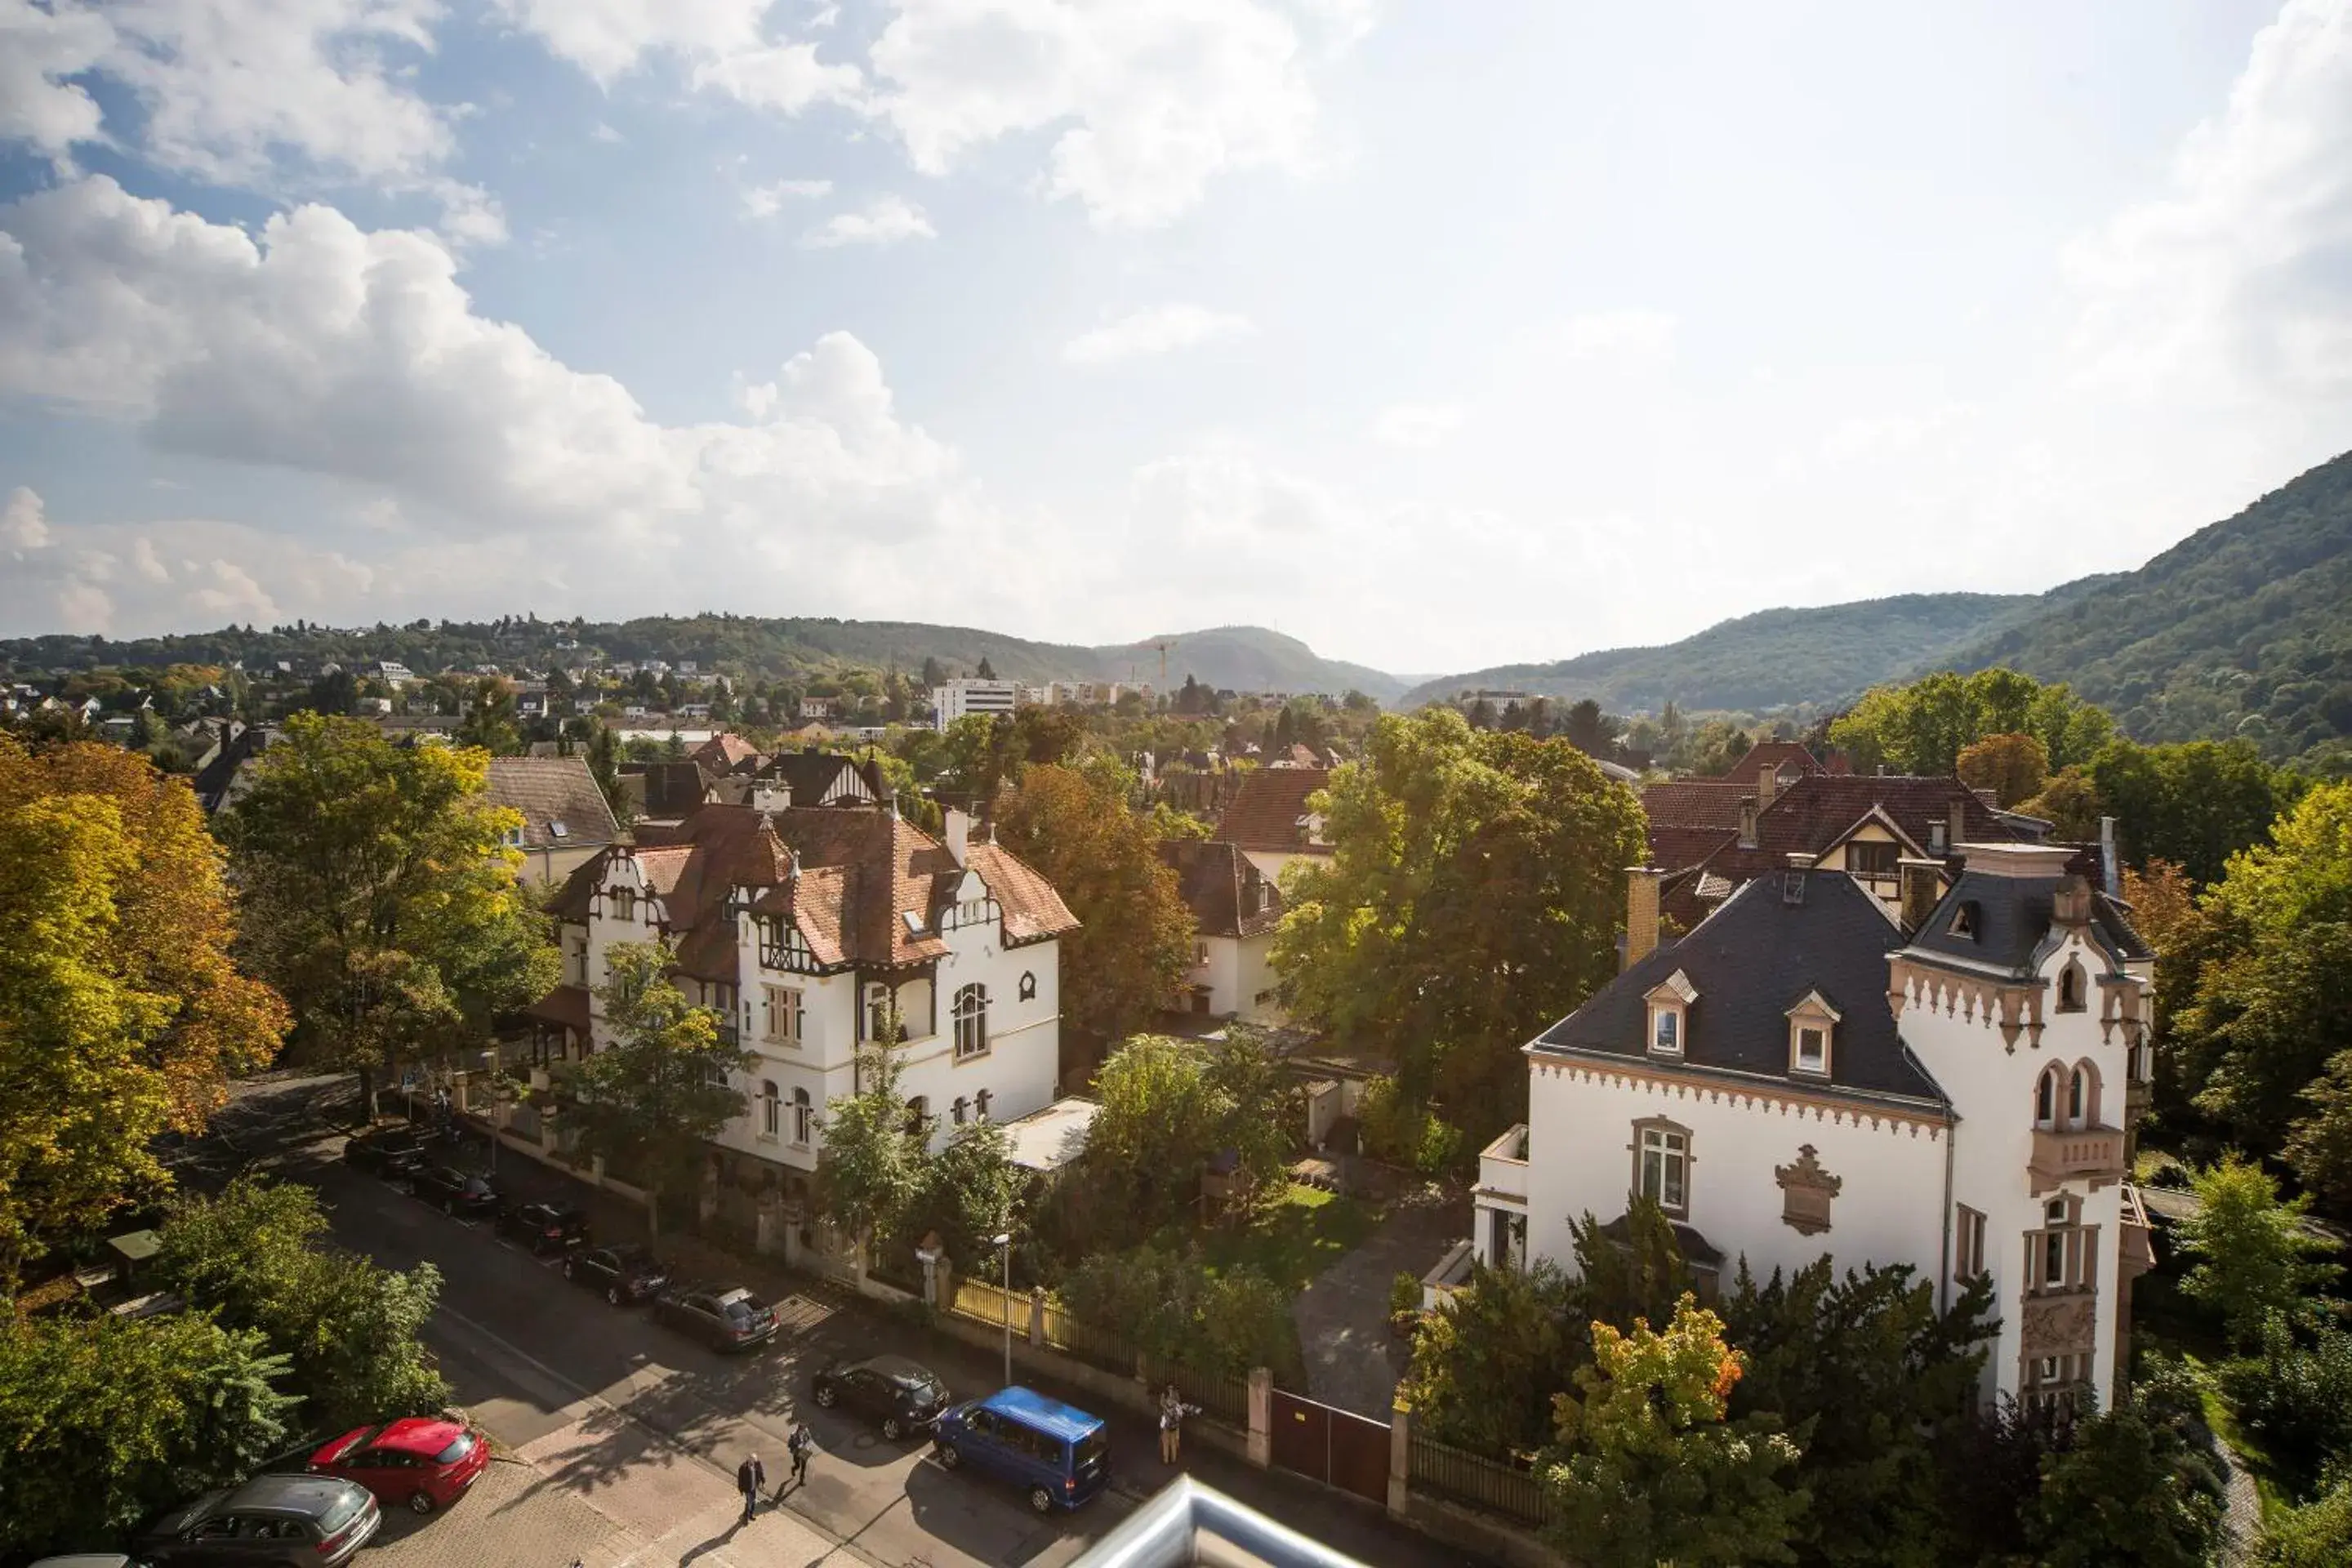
(750, 1476)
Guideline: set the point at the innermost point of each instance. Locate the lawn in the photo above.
(1294, 1240)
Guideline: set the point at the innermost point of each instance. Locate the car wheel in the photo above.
(949, 1456)
(1041, 1499)
(827, 1395)
(420, 1502)
(612, 1295)
(893, 1428)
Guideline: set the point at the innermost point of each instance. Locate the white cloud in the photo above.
(767, 201)
(1417, 425)
(39, 48)
(784, 76)
(1163, 329)
(24, 523)
(885, 220)
(1630, 334)
(724, 44)
(2238, 280)
(317, 347)
(1146, 99)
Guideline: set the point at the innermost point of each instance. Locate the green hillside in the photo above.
(1774, 659)
(1240, 658)
(2243, 628)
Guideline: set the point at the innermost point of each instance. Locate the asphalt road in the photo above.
(641, 1424)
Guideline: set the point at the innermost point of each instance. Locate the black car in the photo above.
(626, 1275)
(544, 1227)
(902, 1396)
(309, 1519)
(454, 1190)
(724, 1317)
(387, 1152)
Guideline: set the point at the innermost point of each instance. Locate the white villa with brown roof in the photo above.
(1268, 819)
(814, 930)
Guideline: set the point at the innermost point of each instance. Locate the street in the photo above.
(618, 1440)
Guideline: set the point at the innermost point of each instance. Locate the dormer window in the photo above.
(1813, 1030)
(2070, 987)
(1669, 1017)
(624, 903)
(1964, 921)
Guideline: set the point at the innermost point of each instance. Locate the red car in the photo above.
(420, 1460)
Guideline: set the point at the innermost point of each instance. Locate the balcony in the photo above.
(2060, 1155)
(2138, 1239)
(1503, 1167)
(2136, 1096)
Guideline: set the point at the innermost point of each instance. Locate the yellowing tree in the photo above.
(2013, 767)
(121, 1011)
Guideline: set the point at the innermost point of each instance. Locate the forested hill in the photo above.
(2243, 628)
(1770, 660)
(1238, 658)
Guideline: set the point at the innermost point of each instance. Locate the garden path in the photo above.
(1353, 1359)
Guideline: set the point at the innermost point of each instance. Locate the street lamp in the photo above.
(1004, 1243)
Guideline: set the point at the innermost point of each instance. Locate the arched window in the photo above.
(2082, 1095)
(971, 1021)
(919, 1117)
(980, 1104)
(804, 1118)
(771, 1114)
(881, 1014)
(961, 1108)
(2070, 987)
(2045, 1097)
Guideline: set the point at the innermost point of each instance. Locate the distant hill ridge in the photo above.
(1236, 658)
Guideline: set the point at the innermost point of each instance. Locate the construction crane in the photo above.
(1163, 646)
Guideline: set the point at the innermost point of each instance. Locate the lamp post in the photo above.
(1003, 1241)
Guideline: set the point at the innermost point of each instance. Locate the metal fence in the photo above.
(977, 1298)
(1226, 1398)
(1480, 1482)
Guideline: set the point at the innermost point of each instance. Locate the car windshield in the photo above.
(737, 1299)
(1091, 1450)
(353, 1444)
(922, 1384)
(457, 1450)
(340, 1511)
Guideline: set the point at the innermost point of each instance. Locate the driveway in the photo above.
(1353, 1359)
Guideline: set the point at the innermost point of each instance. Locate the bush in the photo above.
(1404, 1294)
(1403, 1134)
(2317, 1535)
(2296, 1397)
(1173, 1311)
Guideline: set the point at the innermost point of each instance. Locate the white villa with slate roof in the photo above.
(1951, 1085)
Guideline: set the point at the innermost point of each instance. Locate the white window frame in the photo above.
(970, 1016)
(1664, 1147)
(783, 1017)
(771, 1111)
(804, 1118)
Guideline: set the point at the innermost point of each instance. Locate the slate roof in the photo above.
(1266, 809)
(551, 790)
(2010, 916)
(811, 775)
(1221, 887)
(1749, 963)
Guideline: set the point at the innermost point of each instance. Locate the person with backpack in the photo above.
(801, 1444)
(750, 1476)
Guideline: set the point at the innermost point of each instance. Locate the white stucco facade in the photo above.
(1237, 972)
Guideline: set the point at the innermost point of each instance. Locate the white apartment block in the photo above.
(960, 698)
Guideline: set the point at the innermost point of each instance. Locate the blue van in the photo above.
(1056, 1453)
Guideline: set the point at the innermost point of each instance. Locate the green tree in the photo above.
(256, 1258)
(489, 721)
(964, 1194)
(2319, 1150)
(1923, 727)
(654, 1093)
(1473, 895)
(1178, 1313)
(605, 764)
(2294, 1397)
(1486, 1363)
(121, 1014)
(1880, 1381)
(337, 692)
(1648, 1465)
(871, 1167)
(2196, 804)
(1134, 941)
(2013, 767)
(2253, 1256)
(2140, 1485)
(2317, 1535)
(380, 896)
(103, 1422)
(1158, 1123)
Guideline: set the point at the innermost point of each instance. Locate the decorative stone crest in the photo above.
(2059, 1325)
(1807, 1190)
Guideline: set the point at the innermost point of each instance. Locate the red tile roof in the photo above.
(724, 753)
(1782, 756)
(1267, 810)
(551, 792)
(1694, 803)
(1218, 882)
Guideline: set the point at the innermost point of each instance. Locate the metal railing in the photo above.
(1479, 1482)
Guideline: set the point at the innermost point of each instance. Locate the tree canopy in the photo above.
(1924, 726)
(380, 896)
(1473, 896)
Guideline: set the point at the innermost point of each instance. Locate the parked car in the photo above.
(386, 1152)
(724, 1317)
(899, 1394)
(455, 1192)
(626, 1275)
(544, 1227)
(273, 1520)
(420, 1461)
(88, 1560)
(1056, 1453)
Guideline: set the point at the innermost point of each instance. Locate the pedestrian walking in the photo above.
(801, 1444)
(1172, 1411)
(750, 1476)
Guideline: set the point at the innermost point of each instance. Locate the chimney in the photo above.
(1792, 879)
(2071, 904)
(770, 795)
(1641, 912)
(1748, 823)
(959, 833)
(2110, 866)
(1939, 842)
(1767, 784)
(1923, 882)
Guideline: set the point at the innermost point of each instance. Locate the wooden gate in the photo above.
(1334, 1446)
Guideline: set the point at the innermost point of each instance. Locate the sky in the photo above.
(1439, 334)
